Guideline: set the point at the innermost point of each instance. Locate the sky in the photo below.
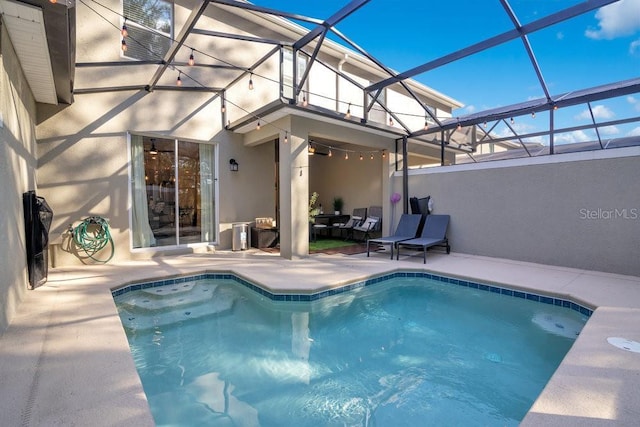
(599, 47)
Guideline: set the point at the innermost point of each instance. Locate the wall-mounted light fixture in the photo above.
(233, 165)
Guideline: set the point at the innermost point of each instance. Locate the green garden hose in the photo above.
(92, 235)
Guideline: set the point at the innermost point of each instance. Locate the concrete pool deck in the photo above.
(65, 360)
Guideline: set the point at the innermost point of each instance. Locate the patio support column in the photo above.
(441, 148)
(552, 131)
(405, 176)
(294, 194)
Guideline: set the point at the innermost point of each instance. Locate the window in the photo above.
(377, 113)
(173, 192)
(287, 73)
(150, 28)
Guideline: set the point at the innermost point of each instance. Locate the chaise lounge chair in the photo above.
(434, 233)
(407, 229)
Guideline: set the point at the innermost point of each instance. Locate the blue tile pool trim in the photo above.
(561, 302)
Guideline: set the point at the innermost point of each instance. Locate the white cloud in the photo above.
(470, 109)
(503, 131)
(634, 102)
(609, 130)
(571, 137)
(634, 132)
(634, 47)
(559, 35)
(616, 20)
(599, 112)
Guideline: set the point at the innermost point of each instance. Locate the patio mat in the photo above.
(356, 248)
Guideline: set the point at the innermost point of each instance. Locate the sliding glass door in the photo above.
(173, 192)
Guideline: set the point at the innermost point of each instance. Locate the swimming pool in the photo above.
(404, 349)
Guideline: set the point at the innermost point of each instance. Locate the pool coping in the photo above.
(315, 295)
(65, 358)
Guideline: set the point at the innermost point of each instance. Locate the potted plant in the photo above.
(338, 204)
(313, 209)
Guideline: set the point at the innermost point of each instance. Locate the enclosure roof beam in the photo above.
(515, 33)
(189, 24)
(330, 22)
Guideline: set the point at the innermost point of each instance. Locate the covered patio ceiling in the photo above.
(312, 33)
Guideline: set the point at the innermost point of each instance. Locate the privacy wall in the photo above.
(576, 210)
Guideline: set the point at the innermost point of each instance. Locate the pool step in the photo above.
(170, 304)
(170, 296)
(175, 289)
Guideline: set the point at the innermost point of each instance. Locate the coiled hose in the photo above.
(92, 235)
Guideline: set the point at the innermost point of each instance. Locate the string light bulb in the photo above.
(304, 101)
(555, 106)
(286, 137)
(251, 82)
(384, 154)
(179, 80)
(485, 125)
(346, 156)
(223, 108)
(348, 115)
(533, 114)
(426, 124)
(459, 126)
(330, 153)
(124, 31)
(124, 45)
(512, 121)
(390, 121)
(371, 156)
(361, 158)
(258, 125)
(192, 59)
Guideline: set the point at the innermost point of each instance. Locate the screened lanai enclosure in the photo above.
(177, 119)
(537, 118)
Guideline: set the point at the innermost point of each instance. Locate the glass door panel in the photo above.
(173, 192)
(161, 183)
(188, 198)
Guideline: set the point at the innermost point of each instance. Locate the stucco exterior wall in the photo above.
(358, 182)
(323, 87)
(82, 148)
(84, 162)
(83, 154)
(17, 175)
(577, 210)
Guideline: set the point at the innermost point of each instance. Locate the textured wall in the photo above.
(576, 210)
(17, 175)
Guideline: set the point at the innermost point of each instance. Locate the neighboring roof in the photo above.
(610, 90)
(534, 150)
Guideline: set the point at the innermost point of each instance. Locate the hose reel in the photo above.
(92, 235)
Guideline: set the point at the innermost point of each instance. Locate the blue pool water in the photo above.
(402, 352)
